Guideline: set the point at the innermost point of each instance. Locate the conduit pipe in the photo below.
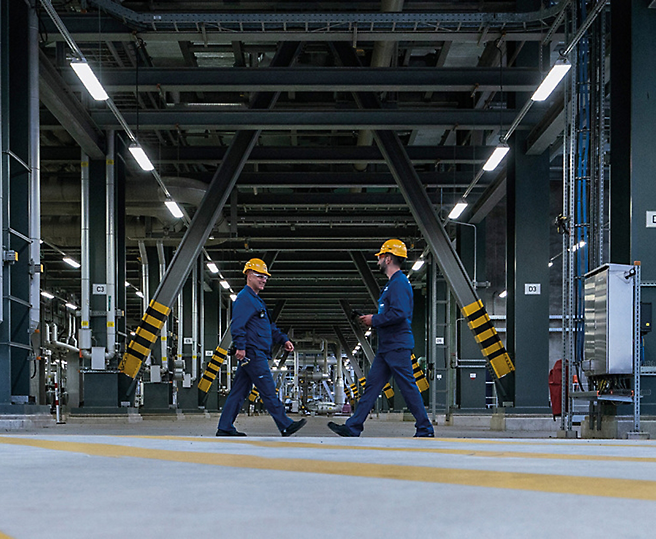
(85, 330)
(110, 232)
(194, 322)
(34, 164)
(164, 332)
(52, 342)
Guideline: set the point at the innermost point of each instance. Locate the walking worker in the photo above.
(252, 335)
(395, 344)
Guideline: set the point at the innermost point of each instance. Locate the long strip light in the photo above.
(173, 207)
(140, 157)
(83, 71)
(420, 261)
(557, 73)
(71, 262)
(456, 212)
(225, 284)
(212, 267)
(47, 294)
(497, 155)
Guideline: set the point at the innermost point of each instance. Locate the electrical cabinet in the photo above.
(609, 319)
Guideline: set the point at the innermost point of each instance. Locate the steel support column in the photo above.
(497, 358)
(200, 228)
(633, 160)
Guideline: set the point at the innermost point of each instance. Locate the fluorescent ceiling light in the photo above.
(91, 83)
(139, 293)
(550, 263)
(503, 294)
(233, 297)
(140, 157)
(420, 261)
(557, 73)
(455, 213)
(497, 155)
(173, 207)
(71, 306)
(225, 284)
(71, 262)
(212, 267)
(127, 284)
(47, 295)
(368, 333)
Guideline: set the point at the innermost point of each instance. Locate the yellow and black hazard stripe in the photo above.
(254, 395)
(420, 377)
(354, 390)
(212, 370)
(388, 391)
(488, 339)
(363, 382)
(139, 347)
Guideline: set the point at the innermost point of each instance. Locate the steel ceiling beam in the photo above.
(296, 154)
(55, 94)
(198, 231)
(315, 79)
(311, 120)
(500, 364)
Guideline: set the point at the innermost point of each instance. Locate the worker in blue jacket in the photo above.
(395, 343)
(252, 335)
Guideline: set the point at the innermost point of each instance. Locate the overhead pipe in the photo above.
(164, 332)
(34, 211)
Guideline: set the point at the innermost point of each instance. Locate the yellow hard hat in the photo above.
(257, 265)
(395, 247)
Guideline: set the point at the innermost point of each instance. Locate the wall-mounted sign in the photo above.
(532, 289)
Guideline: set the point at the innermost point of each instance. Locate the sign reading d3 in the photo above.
(532, 289)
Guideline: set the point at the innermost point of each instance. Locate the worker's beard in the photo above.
(383, 267)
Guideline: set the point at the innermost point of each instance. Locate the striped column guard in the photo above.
(139, 347)
(388, 391)
(420, 377)
(254, 395)
(212, 370)
(488, 339)
(354, 390)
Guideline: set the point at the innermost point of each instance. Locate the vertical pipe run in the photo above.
(201, 308)
(85, 270)
(339, 376)
(432, 337)
(145, 276)
(34, 163)
(110, 232)
(194, 321)
(164, 332)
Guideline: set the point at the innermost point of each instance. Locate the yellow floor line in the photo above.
(424, 449)
(561, 484)
(5, 536)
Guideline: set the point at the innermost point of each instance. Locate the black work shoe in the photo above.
(220, 432)
(294, 427)
(426, 435)
(342, 430)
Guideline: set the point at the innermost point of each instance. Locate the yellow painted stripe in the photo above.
(146, 334)
(153, 321)
(204, 385)
(222, 351)
(485, 335)
(134, 345)
(5, 536)
(160, 307)
(473, 324)
(502, 365)
(563, 484)
(130, 365)
(472, 308)
(496, 346)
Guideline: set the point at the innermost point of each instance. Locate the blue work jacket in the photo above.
(393, 322)
(251, 328)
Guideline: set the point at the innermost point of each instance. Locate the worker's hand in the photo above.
(240, 354)
(289, 346)
(365, 319)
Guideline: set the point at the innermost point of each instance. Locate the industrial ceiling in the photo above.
(316, 194)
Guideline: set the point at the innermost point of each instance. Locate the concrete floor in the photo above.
(165, 477)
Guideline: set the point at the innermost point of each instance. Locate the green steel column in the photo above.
(528, 274)
(633, 159)
(97, 257)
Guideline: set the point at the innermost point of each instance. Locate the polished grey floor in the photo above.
(104, 477)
